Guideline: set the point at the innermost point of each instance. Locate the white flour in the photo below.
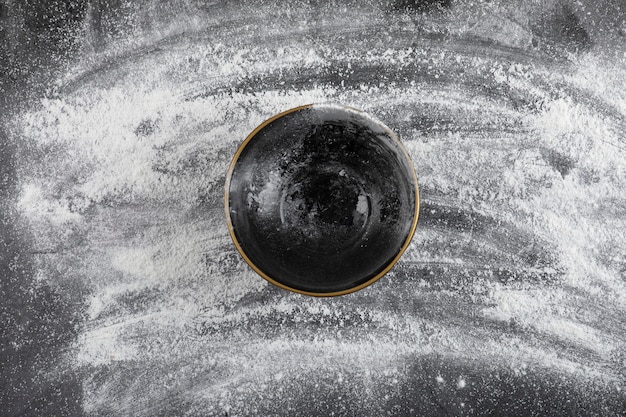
(123, 172)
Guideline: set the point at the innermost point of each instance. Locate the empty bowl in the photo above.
(321, 199)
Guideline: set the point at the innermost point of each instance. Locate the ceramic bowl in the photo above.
(321, 199)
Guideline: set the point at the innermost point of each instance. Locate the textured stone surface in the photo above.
(122, 294)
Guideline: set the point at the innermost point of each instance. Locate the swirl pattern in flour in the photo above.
(510, 299)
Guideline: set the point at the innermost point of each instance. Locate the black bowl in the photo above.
(321, 200)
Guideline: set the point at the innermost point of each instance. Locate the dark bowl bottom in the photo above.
(321, 200)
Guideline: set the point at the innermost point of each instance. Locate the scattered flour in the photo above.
(125, 168)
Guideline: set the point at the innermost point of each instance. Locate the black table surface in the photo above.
(121, 292)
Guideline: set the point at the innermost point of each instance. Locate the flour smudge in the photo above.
(510, 299)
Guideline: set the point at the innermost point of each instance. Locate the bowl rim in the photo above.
(273, 281)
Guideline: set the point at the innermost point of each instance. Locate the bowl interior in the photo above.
(322, 199)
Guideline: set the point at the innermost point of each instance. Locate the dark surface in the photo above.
(322, 199)
(138, 304)
(37, 321)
